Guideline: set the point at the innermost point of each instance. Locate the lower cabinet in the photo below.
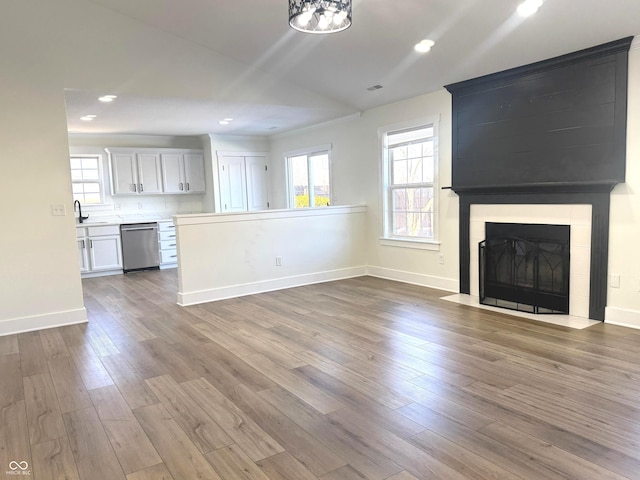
(99, 249)
(167, 244)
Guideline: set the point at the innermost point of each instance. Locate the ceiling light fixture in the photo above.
(424, 46)
(107, 98)
(88, 118)
(529, 7)
(320, 16)
(224, 122)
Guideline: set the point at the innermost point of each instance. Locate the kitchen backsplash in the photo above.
(142, 207)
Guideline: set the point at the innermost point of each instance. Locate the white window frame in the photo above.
(387, 238)
(101, 178)
(309, 152)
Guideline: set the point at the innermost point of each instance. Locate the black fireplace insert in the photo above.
(525, 267)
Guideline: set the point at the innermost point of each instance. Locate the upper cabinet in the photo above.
(156, 171)
(183, 172)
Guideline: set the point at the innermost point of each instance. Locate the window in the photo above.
(86, 179)
(409, 167)
(309, 178)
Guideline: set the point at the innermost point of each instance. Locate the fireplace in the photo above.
(525, 267)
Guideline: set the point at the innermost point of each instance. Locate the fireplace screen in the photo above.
(525, 267)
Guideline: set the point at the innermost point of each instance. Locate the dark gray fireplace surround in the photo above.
(553, 132)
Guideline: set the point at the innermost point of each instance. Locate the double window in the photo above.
(86, 179)
(409, 182)
(309, 177)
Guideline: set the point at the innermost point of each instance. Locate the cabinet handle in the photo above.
(181, 186)
(141, 189)
(83, 246)
(90, 243)
(172, 245)
(187, 186)
(174, 256)
(135, 189)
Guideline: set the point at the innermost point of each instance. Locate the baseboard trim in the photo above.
(40, 322)
(440, 283)
(233, 291)
(622, 317)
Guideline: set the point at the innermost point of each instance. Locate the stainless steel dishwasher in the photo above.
(139, 246)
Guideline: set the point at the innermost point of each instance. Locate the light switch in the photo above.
(58, 210)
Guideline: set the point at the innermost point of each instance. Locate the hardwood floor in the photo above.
(350, 380)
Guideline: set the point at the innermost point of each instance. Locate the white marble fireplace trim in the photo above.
(577, 216)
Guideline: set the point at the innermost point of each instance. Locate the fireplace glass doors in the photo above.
(525, 267)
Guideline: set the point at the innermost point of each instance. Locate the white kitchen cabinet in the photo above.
(167, 244)
(99, 250)
(183, 172)
(83, 255)
(135, 173)
(243, 182)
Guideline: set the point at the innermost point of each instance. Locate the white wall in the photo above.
(222, 256)
(355, 161)
(623, 304)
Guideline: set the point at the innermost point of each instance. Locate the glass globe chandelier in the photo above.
(320, 16)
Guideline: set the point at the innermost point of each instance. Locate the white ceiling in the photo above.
(473, 38)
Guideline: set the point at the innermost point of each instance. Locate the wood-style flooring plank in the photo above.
(43, 410)
(300, 444)
(232, 463)
(129, 381)
(315, 397)
(53, 344)
(14, 435)
(94, 457)
(34, 361)
(53, 460)
(129, 442)
(9, 345)
(157, 472)
(180, 455)
(203, 431)
(254, 441)
(284, 467)
(71, 392)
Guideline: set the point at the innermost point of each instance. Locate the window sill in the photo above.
(407, 243)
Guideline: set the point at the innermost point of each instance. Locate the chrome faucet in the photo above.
(80, 217)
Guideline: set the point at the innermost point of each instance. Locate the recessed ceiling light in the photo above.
(88, 118)
(228, 119)
(529, 7)
(424, 46)
(223, 122)
(107, 98)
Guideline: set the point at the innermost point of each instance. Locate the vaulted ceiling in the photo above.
(473, 38)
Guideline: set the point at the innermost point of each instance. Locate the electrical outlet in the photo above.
(614, 280)
(441, 259)
(58, 210)
(278, 261)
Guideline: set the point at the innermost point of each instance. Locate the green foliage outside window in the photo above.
(319, 201)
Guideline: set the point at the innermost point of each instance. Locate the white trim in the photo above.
(308, 150)
(440, 283)
(409, 243)
(233, 291)
(202, 218)
(635, 43)
(226, 153)
(40, 322)
(622, 317)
